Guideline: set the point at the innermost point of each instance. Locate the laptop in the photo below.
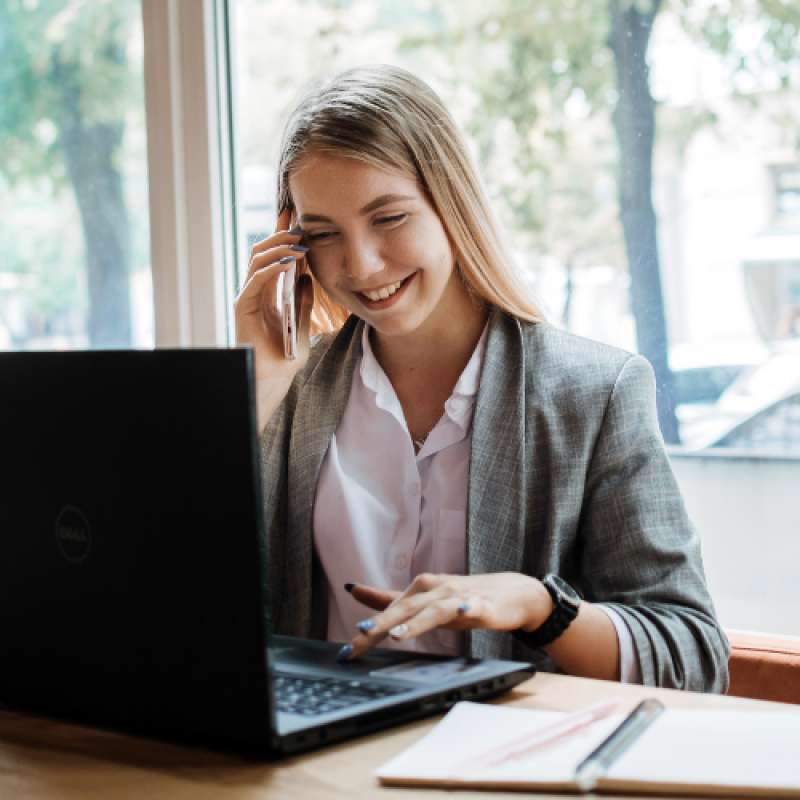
(132, 568)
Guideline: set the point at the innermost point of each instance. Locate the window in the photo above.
(686, 249)
(787, 190)
(74, 221)
(776, 429)
(534, 86)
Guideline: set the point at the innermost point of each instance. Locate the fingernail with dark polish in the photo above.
(366, 625)
(348, 587)
(464, 607)
(299, 248)
(297, 232)
(287, 259)
(344, 653)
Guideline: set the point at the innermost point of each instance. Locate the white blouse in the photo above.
(384, 514)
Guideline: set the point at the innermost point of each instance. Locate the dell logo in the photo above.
(73, 535)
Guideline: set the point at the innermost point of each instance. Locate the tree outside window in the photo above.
(74, 222)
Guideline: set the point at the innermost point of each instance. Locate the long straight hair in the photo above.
(386, 117)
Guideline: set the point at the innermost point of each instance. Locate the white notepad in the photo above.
(682, 752)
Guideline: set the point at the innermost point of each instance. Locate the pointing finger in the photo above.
(378, 599)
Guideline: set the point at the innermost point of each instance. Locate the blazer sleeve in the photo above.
(641, 554)
(274, 444)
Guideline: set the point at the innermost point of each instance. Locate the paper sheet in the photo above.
(720, 748)
(680, 750)
(470, 729)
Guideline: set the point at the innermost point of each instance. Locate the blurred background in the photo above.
(642, 156)
(74, 219)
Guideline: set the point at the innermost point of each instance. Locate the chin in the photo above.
(396, 328)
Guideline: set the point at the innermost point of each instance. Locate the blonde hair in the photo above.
(390, 119)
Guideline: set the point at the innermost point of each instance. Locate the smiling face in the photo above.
(376, 245)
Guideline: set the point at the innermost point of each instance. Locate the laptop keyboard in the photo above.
(310, 696)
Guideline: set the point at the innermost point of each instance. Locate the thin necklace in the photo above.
(420, 443)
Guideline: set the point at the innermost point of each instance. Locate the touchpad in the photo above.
(323, 657)
(425, 672)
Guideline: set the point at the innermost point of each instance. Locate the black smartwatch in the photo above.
(566, 602)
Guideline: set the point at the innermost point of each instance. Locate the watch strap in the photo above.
(559, 620)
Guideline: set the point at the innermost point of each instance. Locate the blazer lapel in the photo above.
(496, 516)
(320, 407)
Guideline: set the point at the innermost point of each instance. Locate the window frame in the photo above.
(189, 106)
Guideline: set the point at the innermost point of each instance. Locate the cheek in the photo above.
(322, 267)
(427, 247)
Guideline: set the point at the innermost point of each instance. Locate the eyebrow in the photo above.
(378, 202)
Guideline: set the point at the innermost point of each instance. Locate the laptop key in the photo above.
(310, 696)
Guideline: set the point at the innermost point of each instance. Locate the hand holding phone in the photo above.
(289, 322)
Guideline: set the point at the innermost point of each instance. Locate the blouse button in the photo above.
(400, 562)
(457, 405)
(413, 489)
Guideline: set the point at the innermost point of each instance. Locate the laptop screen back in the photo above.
(130, 530)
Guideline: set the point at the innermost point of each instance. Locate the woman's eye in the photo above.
(316, 237)
(389, 220)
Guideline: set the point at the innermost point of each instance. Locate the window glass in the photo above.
(74, 220)
(644, 160)
(652, 203)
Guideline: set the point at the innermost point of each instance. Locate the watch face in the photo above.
(571, 597)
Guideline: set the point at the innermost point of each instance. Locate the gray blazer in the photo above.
(568, 475)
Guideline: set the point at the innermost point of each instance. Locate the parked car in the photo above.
(760, 409)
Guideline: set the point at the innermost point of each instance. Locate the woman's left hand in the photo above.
(502, 601)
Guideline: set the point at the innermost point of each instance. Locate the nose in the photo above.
(362, 258)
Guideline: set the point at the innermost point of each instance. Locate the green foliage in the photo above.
(58, 58)
(532, 83)
(542, 80)
(41, 241)
(529, 65)
(70, 75)
(756, 37)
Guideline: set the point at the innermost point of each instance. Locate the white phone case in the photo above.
(289, 327)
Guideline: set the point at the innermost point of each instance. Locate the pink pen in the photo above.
(551, 734)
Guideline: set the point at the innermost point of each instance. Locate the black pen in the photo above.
(594, 766)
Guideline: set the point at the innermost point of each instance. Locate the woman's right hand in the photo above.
(259, 318)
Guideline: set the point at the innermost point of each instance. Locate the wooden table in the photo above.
(44, 759)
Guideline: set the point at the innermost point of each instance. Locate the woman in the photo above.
(441, 444)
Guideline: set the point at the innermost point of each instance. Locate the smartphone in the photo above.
(289, 322)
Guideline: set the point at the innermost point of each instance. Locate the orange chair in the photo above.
(764, 667)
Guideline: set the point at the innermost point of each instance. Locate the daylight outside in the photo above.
(74, 219)
(643, 158)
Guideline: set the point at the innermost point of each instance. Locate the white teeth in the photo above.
(382, 294)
